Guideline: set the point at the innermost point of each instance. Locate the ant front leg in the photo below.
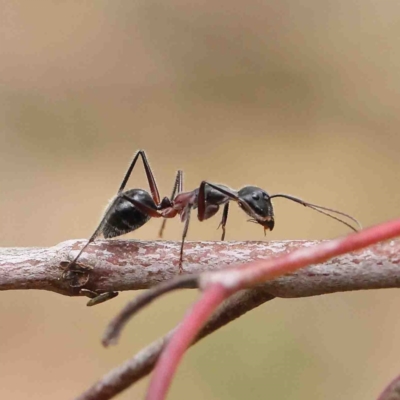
(210, 197)
(186, 216)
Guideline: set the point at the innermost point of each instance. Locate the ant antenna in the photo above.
(323, 210)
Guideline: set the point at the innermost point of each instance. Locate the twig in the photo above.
(170, 357)
(220, 285)
(143, 362)
(392, 391)
(117, 324)
(257, 272)
(130, 265)
(375, 267)
(124, 264)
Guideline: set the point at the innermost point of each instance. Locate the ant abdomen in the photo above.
(124, 216)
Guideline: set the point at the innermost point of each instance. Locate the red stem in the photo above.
(248, 275)
(392, 391)
(219, 286)
(186, 332)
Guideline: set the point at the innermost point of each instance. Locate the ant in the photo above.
(131, 209)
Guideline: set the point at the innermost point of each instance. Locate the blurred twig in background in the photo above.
(142, 363)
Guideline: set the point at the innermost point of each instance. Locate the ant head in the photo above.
(256, 203)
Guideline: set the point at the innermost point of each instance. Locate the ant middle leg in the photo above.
(177, 188)
(222, 224)
(185, 230)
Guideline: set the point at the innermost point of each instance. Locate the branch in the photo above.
(379, 258)
(142, 363)
(220, 285)
(130, 265)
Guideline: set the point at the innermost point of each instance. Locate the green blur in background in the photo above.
(294, 97)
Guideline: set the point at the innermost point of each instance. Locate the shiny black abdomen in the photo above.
(125, 217)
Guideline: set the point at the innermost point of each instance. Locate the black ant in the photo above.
(131, 209)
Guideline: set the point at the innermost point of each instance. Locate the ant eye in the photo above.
(255, 196)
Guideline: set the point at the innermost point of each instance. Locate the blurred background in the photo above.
(295, 97)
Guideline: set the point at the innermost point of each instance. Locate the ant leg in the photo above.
(95, 234)
(178, 188)
(224, 219)
(178, 185)
(162, 227)
(153, 188)
(201, 201)
(149, 208)
(149, 174)
(185, 230)
(150, 177)
(201, 198)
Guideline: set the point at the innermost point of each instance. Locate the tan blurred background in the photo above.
(295, 97)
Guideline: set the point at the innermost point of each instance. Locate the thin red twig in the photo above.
(219, 286)
(392, 391)
(143, 362)
(261, 271)
(183, 338)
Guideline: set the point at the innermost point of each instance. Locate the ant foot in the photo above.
(181, 270)
(76, 273)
